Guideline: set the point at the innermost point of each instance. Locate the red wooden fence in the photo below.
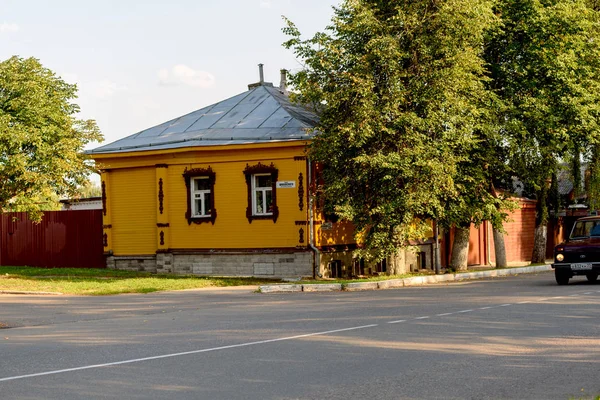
(63, 239)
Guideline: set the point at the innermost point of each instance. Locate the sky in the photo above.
(140, 63)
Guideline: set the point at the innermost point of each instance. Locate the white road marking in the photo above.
(185, 353)
(444, 314)
(233, 346)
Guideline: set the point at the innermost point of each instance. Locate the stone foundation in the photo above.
(253, 263)
(132, 263)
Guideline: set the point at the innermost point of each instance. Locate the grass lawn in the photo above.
(87, 281)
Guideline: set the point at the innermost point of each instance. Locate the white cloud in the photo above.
(8, 27)
(103, 88)
(265, 3)
(182, 74)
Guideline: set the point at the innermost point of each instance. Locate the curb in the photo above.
(28, 293)
(318, 287)
(398, 283)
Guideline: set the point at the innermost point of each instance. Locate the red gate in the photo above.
(63, 239)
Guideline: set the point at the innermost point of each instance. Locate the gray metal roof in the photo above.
(262, 114)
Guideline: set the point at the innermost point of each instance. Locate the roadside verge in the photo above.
(398, 283)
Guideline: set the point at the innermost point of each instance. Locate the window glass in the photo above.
(202, 184)
(269, 201)
(586, 229)
(260, 209)
(198, 207)
(201, 198)
(207, 204)
(263, 181)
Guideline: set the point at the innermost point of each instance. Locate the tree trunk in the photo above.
(460, 249)
(539, 245)
(397, 265)
(499, 249)
(541, 229)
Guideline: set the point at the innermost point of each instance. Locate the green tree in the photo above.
(89, 189)
(478, 200)
(41, 139)
(543, 65)
(400, 87)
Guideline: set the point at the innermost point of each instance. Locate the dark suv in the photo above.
(580, 254)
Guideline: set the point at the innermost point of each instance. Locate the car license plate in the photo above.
(581, 266)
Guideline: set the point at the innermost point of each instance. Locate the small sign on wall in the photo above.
(286, 184)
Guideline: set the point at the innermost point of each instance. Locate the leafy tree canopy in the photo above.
(41, 139)
(401, 89)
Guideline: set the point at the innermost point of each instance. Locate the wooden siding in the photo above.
(231, 228)
(134, 208)
(132, 199)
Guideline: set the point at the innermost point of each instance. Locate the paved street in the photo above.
(521, 337)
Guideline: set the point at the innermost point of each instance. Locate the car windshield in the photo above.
(585, 229)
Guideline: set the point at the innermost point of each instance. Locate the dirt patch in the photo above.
(4, 326)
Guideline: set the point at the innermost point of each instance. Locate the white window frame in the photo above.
(202, 196)
(263, 192)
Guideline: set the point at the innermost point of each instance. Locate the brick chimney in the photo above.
(283, 82)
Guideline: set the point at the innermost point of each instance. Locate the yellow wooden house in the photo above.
(223, 190)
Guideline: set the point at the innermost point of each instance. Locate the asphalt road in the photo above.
(508, 338)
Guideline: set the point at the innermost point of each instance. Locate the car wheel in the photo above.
(592, 277)
(562, 278)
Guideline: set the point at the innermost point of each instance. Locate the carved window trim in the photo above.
(161, 195)
(103, 186)
(197, 173)
(300, 192)
(261, 169)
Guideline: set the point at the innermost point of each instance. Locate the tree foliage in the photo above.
(544, 67)
(41, 138)
(404, 113)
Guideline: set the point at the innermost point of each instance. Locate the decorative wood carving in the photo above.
(299, 158)
(298, 223)
(162, 225)
(161, 196)
(104, 198)
(301, 234)
(262, 169)
(105, 239)
(195, 172)
(106, 226)
(300, 192)
(161, 166)
(162, 238)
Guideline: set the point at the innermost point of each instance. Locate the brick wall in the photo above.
(519, 235)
